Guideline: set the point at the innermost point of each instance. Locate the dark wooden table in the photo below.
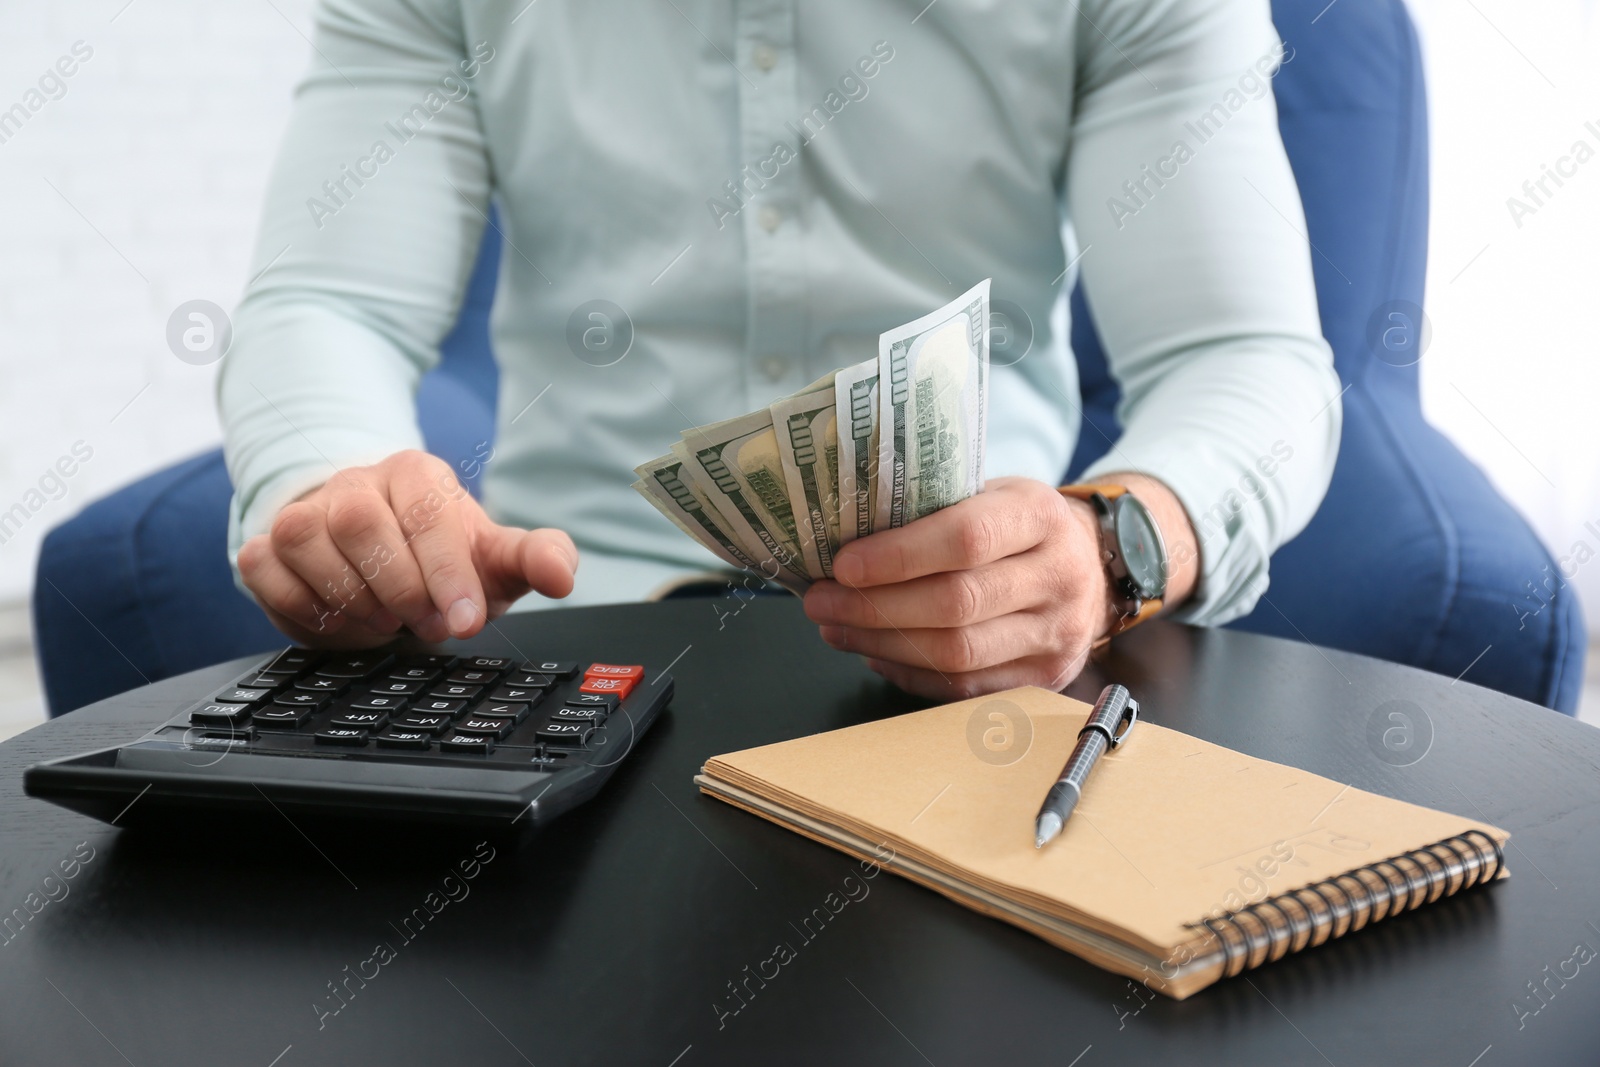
(614, 937)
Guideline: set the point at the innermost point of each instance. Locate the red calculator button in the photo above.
(617, 687)
(611, 670)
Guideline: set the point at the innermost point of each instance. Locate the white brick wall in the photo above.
(162, 141)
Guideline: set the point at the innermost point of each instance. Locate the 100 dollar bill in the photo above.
(855, 391)
(662, 483)
(877, 445)
(665, 485)
(808, 445)
(932, 409)
(735, 464)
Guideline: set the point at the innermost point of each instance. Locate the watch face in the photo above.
(1143, 552)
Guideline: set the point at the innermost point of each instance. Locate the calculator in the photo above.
(473, 742)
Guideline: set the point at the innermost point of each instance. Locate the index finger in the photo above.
(436, 533)
(1002, 521)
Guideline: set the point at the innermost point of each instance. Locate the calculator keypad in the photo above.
(533, 711)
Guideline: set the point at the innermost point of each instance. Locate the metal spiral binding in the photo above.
(1249, 938)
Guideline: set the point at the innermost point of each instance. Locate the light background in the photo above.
(139, 189)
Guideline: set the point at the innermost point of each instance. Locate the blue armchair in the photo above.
(1413, 557)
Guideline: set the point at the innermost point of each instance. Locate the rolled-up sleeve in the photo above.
(373, 214)
(1197, 267)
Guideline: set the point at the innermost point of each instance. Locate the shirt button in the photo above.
(771, 218)
(774, 367)
(766, 56)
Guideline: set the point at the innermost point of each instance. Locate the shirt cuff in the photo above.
(1220, 501)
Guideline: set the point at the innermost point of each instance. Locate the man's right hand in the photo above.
(397, 544)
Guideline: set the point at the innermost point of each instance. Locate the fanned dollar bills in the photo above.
(870, 447)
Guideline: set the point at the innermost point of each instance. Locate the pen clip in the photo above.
(1130, 715)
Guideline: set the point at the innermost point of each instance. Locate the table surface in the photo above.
(615, 935)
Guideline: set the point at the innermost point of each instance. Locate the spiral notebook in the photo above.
(1185, 863)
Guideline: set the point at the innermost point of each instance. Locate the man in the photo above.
(763, 186)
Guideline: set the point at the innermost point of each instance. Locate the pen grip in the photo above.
(1090, 747)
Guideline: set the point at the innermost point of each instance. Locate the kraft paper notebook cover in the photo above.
(1184, 863)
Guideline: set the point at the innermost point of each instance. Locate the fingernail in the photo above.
(848, 570)
(462, 614)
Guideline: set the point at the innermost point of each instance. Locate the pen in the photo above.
(1107, 727)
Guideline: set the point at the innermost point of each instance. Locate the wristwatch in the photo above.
(1131, 547)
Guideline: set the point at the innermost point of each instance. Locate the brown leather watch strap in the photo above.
(1084, 492)
(1148, 610)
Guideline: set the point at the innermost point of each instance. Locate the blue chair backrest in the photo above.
(1352, 111)
(465, 353)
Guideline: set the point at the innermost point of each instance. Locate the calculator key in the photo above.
(618, 687)
(530, 680)
(439, 706)
(341, 735)
(456, 692)
(564, 733)
(485, 663)
(503, 709)
(420, 675)
(397, 688)
(291, 661)
(220, 714)
(297, 698)
(434, 662)
(242, 695)
(378, 702)
(611, 670)
(265, 680)
(472, 677)
(592, 713)
(467, 743)
(360, 720)
(399, 737)
(475, 724)
(517, 693)
(314, 684)
(428, 724)
(358, 665)
(564, 668)
(276, 718)
(585, 700)
(512, 713)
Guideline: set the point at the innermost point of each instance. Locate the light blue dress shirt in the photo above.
(762, 187)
